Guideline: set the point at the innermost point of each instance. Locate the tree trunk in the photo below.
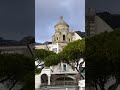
(96, 86)
(13, 85)
(114, 86)
(102, 86)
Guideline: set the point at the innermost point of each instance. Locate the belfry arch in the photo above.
(63, 37)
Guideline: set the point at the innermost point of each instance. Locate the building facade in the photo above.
(26, 50)
(62, 34)
(94, 24)
(60, 76)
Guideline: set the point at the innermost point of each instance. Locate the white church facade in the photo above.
(61, 76)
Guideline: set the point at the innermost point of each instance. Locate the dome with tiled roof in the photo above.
(61, 22)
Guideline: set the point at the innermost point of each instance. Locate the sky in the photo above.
(47, 13)
(112, 6)
(21, 18)
(17, 19)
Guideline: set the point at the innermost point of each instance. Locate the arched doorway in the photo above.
(64, 81)
(44, 79)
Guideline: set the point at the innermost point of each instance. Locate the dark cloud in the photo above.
(16, 18)
(112, 6)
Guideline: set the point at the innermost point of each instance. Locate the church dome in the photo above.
(61, 22)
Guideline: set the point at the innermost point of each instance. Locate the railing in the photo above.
(60, 83)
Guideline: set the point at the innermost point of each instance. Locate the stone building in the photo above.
(62, 34)
(27, 50)
(61, 37)
(95, 24)
(60, 76)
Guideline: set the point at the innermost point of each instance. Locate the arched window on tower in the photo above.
(64, 37)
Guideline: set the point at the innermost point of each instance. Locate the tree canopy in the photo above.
(102, 59)
(71, 54)
(52, 60)
(15, 69)
(40, 55)
(74, 50)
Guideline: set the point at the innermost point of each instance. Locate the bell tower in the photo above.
(62, 34)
